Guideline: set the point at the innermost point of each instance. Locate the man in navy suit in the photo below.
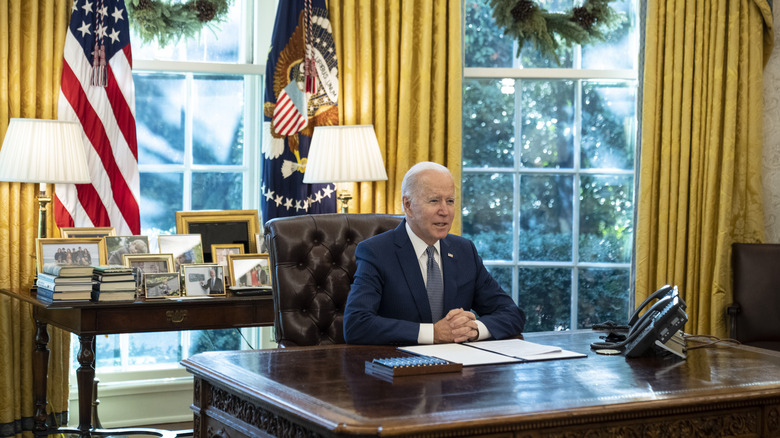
(397, 298)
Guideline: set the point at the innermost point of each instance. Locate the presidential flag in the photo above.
(97, 91)
(301, 93)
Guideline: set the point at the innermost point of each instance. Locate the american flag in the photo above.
(97, 90)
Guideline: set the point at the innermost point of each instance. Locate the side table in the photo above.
(88, 319)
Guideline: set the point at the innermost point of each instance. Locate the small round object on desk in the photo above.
(608, 351)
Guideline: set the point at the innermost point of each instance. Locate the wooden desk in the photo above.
(87, 319)
(324, 391)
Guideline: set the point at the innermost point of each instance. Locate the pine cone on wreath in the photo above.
(583, 17)
(143, 4)
(523, 10)
(205, 10)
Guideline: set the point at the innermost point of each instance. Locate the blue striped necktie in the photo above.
(435, 286)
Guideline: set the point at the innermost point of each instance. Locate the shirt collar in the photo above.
(419, 245)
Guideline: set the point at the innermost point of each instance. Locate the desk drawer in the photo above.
(169, 318)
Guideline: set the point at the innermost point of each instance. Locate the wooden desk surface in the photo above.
(325, 391)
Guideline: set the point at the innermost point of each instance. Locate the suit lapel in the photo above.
(410, 267)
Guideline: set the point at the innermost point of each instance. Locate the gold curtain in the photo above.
(400, 70)
(700, 171)
(32, 34)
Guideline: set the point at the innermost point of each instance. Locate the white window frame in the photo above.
(577, 76)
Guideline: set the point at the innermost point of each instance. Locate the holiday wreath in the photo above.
(526, 21)
(169, 21)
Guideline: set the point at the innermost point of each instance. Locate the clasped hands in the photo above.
(457, 326)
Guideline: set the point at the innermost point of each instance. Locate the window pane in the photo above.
(623, 40)
(606, 219)
(547, 123)
(218, 42)
(156, 349)
(108, 351)
(488, 122)
(608, 125)
(603, 296)
(159, 104)
(149, 350)
(502, 275)
(546, 218)
(161, 198)
(487, 214)
(217, 191)
(485, 44)
(545, 297)
(217, 112)
(532, 57)
(215, 340)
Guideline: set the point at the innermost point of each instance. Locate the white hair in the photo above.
(409, 186)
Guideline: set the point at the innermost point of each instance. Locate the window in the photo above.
(198, 124)
(548, 168)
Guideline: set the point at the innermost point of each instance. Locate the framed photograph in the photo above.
(117, 246)
(149, 263)
(260, 244)
(162, 285)
(220, 227)
(220, 251)
(203, 279)
(71, 232)
(186, 248)
(86, 251)
(250, 270)
(144, 264)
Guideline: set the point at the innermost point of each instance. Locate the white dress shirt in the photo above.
(425, 335)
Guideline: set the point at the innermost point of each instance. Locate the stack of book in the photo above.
(59, 283)
(113, 283)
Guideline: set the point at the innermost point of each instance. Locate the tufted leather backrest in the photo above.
(756, 281)
(312, 261)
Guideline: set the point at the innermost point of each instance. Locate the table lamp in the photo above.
(43, 151)
(341, 154)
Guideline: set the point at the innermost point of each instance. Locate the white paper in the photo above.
(492, 352)
(460, 353)
(515, 348)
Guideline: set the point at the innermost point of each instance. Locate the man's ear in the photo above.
(406, 203)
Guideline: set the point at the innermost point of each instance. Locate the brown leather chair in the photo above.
(754, 315)
(312, 261)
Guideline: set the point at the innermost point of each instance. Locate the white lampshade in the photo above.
(43, 151)
(344, 154)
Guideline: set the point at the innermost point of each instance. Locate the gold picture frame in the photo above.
(62, 251)
(162, 285)
(241, 266)
(117, 246)
(220, 227)
(220, 252)
(153, 263)
(72, 232)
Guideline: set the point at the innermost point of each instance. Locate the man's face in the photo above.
(212, 273)
(432, 210)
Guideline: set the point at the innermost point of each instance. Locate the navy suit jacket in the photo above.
(388, 299)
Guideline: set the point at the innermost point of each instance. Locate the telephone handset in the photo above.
(655, 327)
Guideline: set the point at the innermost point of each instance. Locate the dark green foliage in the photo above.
(526, 21)
(168, 22)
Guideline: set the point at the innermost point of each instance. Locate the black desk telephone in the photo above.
(657, 327)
